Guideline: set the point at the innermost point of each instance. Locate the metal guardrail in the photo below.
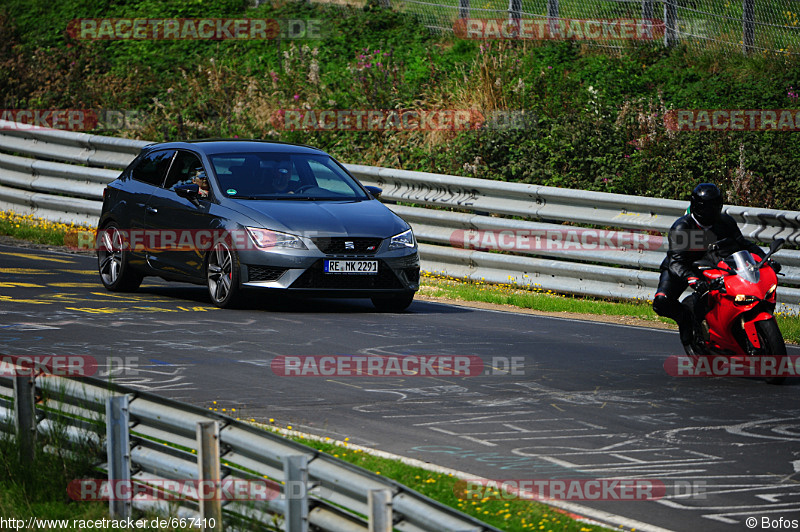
(333, 495)
(439, 207)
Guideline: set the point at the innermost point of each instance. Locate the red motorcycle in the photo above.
(739, 322)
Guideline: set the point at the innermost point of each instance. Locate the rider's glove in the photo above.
(776, 266)
(697, 284)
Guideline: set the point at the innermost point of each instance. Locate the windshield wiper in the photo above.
(297, 198)
(267, 197)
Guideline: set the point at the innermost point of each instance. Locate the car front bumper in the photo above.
(303, 273)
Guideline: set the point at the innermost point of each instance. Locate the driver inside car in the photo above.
(279, 178)
(689, 238)
(201, 180)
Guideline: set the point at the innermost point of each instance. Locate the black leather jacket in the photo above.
(688, 242)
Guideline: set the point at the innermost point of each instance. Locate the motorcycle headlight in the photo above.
(264, 238)
(771, 292)
(403, 240)
(742, 299)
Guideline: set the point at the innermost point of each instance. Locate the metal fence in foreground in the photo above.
(729, 26)
(150, 440)
(58, 175)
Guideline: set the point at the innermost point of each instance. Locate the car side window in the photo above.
(152, 167)
(187, 169)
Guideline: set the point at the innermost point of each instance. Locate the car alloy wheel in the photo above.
(112, 262)
(222, 273)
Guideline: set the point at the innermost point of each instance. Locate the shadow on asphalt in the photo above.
(268, 301)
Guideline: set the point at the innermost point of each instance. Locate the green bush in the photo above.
(598, 114)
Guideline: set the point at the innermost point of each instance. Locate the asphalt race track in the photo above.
(590, 400)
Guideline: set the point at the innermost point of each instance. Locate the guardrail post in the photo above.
(119, 454)
(552, 17)
(25, 417)
(670, 23)
(748, 25)
(380, 510)
(295, 471)
(209, 471)
(463, 8)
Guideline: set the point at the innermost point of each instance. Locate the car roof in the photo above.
(222, 146)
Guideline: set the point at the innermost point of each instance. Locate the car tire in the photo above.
(223, 273)
(113, 261)
(397, 303)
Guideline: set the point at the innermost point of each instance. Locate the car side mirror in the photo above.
(189, 191)
(374, 191)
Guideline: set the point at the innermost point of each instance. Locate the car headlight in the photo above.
(264, 238)
(403, 240)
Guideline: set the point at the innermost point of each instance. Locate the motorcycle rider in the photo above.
(689, 238)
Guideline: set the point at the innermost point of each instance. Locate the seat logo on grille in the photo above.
(349, 245)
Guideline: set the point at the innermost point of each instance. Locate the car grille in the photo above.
(264, 273)
(316, 278)
(341, 245)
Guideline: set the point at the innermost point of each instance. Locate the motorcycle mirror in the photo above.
(773, 247)
(776, 245)
(703, 265)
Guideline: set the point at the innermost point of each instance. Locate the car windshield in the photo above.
(284, 176)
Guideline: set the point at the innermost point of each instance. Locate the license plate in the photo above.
(369, 267)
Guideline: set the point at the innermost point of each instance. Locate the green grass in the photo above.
(507, 514)
(38, 230)
(39, 490)
(548, 301)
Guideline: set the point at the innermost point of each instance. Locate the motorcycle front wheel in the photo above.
(772, 344)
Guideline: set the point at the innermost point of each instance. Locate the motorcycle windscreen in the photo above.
(746, 266)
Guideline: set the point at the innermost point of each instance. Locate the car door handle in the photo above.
(151, 210)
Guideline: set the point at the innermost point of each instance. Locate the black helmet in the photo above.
(706, 203)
